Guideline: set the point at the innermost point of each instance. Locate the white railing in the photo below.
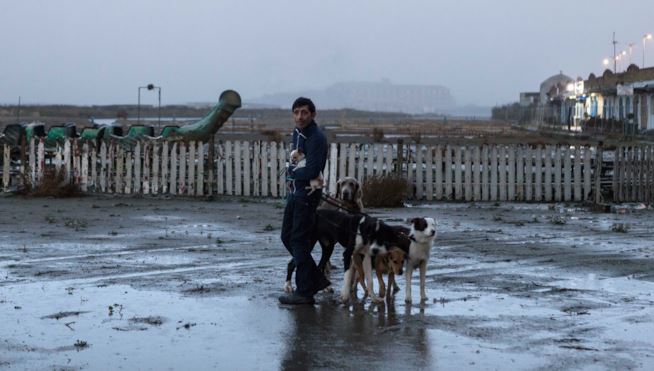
(485, 172)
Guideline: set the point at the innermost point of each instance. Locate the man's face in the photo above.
(302, 116)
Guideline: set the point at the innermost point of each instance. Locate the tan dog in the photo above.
(391, 264)
(299, 160)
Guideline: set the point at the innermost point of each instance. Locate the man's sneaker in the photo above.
(295, 299)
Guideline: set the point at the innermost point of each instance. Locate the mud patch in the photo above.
(61, 315)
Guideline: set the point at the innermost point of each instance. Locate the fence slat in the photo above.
(229, 168)
(199, 182)
(137, 168)
(256, 169)
(111, 165)
(476, 173)
(419, 173)
(333, 163)
(458, 186)
(147, 162)
(173, 168)
(520, 173)
(32, 161)
(6, 162)
(538, 174)
(485, 172)
(361, 176)
(577, 174)
(273, 169)
(67, 161)
(370, 160)
(351, 161)
(282, 155)
(438, 177)
(493, 174)
(190, 164)
(511, 171)
(246, 169)
(567, 173)
(128, 172)
(467, 178)
(449, 194)
(165, 166)
(529, 170)
(342, 161)
(264, 169)
(388, 162)
(558, 194)
(502, 169)
(220, 168)
(429, 172)
(155, 168)
(547, 180)
(40, 160)
(120, 163)
(238, 177)
(181, 172)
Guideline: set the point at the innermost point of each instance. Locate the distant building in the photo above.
(621, 97)
(529, 98)
(374, 96)
(558, 82)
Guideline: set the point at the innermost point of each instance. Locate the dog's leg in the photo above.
(391, 284)
(347, 285)
(396, 288)
(407, 277)
(423, 273)
(367, 269)
(288, 286)
(323, 265)
(382, 286)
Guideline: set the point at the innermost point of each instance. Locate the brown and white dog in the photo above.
(383, 240)
(422, 235)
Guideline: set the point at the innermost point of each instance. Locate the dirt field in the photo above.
(154, 283)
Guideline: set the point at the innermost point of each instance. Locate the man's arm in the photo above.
(316, 157)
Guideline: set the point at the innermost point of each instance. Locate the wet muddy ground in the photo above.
(154, 283)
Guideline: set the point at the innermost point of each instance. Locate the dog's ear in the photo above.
(338, 189)
(359, 191)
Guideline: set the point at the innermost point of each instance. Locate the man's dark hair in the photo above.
(302, 101)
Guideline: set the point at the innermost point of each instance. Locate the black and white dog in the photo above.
(422, 234)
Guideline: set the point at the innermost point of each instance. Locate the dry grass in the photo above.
(377, 134)
(53, 184)
(384, 191)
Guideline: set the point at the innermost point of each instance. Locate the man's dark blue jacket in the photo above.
(314, 146)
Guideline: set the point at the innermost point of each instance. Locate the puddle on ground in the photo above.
(116, 324)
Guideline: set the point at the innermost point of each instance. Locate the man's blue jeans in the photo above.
(297, 230)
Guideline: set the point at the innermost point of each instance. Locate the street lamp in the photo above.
(605, 62)
(138, 109)
(645, 38)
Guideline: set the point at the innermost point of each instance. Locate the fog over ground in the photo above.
(99, 52)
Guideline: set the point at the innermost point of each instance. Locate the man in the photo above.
(301, 204)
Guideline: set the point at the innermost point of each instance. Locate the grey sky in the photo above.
(486, 52)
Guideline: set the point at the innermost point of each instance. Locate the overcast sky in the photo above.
(486, 52)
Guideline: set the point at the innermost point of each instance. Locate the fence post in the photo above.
(400, 157)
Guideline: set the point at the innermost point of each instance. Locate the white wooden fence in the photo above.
(495, 172)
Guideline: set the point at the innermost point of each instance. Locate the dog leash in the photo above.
(334, 202)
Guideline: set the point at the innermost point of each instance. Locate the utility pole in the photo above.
(615, 61)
